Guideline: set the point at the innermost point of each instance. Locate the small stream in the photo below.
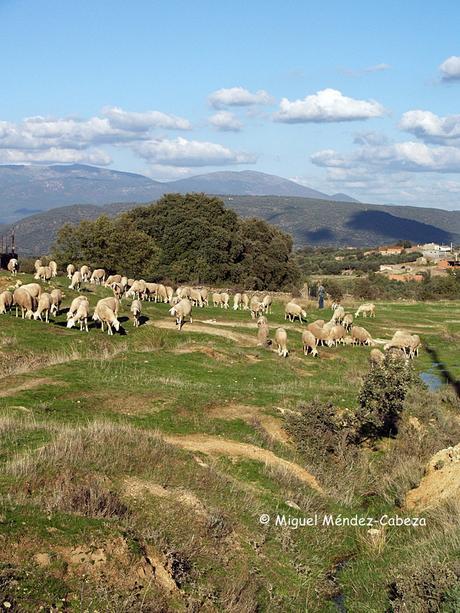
(431, 378)
(339, 598)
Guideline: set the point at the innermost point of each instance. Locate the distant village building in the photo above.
(391, 250)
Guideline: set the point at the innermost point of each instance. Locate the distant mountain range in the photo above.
(25, 190)
(315, 219)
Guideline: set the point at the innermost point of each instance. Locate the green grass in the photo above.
(56, 382)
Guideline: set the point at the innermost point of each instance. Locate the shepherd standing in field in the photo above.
(321, 293)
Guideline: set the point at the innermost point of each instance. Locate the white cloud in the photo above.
(450, 68)
(225, 122)
(141, 122)
(238, 96)
(351, 72)
(186, 153)
(327, 105)
(406, 156)
(430, 127)
(55, 156)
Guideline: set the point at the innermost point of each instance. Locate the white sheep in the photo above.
(80, 316)
(74, 306)
(292, 311)
(376, 357)
(281, 341)
(6, 301)
(54, 269)
(336, 335)
(12, 266)
(37, 264)
(106, 315)
(136, 310)
(309, 343)
(181, 311)
(204, 296)
(256, 307)
(34, 289)
(75, 283)
(44, 273)
(225, 300)
(263, 333)
(56, 300)
(70, 270)
(195, 298)
(361, 336)
(113, 279)
(245, 301)
(237, 302)
(85, 273)
(44, 306)
(338, 314)
(347, 321)
(267, 303)
(97, 276)
(23, 299)
(217, 299)
(365, 310)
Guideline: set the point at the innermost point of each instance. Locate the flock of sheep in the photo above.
(38, 304)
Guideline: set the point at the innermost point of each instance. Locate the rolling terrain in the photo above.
(134, 469)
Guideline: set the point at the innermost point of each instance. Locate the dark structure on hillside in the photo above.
(7, 249)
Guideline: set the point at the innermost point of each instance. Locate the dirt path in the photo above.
(26, 385)
(213, 329)
(215, 445)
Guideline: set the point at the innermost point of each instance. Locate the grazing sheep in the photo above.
(347, 321)
(25, 301)
(262, 321)
(406, 342)
(6, 301)
(75, 304)
(136, 290)
(117, 290)
(12, 266)
(217, 299)
(365, 310)
(80, 316)
(195, 298)
(70, 270)
(37, 264)
(112, 302)
(293, 310)
(309, 343)
(170, 294)
(336, 335)
(34, 289)
(318, 322)
(106, 315)
(267, 304)
(376, 357)
(56, 300)
(85, 273)
(225, 300)
(256, 307)
(281, 341)
(44, 273)
(124, 283)
(150, 292)
(237, 303)
(181, 311)
(204, 296)
(136, 310)
(114, 279)
(338, 314)
(245, 301)
(44, 306)
(263, 333)
(54, 268)
(98, 276)
(361, 336)
(75, 283)
(321, 335)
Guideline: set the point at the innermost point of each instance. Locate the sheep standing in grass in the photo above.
(85, 273)
(292, 311)
(80, 316)
(347, 321)
(74, 306)
(37, 264)
(25, 301)
(170, 293)
(44, 273)
(321, 335)
(256, 307)
(181, 311)
(225, 300)
(112, 302)
(113, 279)
(12, 266)
(70, 270)
(361, 336)
(136, 310)
(117, 290)
(6, 301)
(195, 297)
(216, 299)
(237, 304)
(161, 294)
(338, 314)
(106, 315)
(404, 341)
(365, 310)
(245, 301)
(137, 289)
(44, 306)
(150, 292)
(281, 342)
(56, 300)
(34, 289)
(263, 332)
(97, 276)
(267, 303)
(75, 283)
(204, 296)
(309, 343)
(336, 335)
(54, 269)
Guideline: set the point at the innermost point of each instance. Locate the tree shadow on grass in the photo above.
(443, 370)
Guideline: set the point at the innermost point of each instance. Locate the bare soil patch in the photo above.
(26, 385)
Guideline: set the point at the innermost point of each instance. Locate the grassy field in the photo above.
(134, 468)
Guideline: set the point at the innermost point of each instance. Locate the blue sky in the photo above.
(362, 98)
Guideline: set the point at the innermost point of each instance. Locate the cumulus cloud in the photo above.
(225, 122)
(406, 156)
(141, 122)
(450, 68)
(238, 96)
(430, 127)
(188, 153)
(327, 105)
(54, 155)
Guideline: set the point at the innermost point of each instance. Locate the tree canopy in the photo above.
(189, 238)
